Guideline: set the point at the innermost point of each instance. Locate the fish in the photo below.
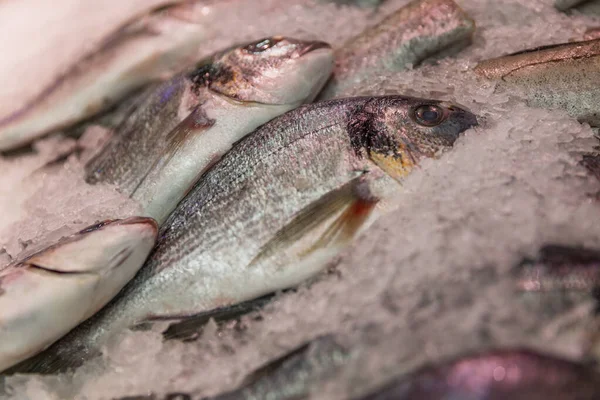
(558, 267)
(190, 121)
(563, 5)
(287, 377)
(515, 374)
(414, 33)
(45, 295)
(562, 76)
(274, 211)
(149, 48)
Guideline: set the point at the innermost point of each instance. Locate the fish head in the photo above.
(398, 131)
(47, 294)
(108, 254)
(275, 70)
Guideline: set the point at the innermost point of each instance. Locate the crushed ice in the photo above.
(429, 281)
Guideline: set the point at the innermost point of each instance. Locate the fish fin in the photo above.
(188, 328)
(195, 123)
(354, 206)
(55, 359)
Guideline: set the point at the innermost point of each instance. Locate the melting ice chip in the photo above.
(44, 296)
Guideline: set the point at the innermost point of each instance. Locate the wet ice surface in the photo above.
(430, 281)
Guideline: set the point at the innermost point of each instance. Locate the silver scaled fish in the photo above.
(189, 122)
(44, 296)
(275, 210)
(147, 49)
(563, 76)
(414, 33)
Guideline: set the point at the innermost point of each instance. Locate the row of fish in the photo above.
(346, 155)
(300, 183)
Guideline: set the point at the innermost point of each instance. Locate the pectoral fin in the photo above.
(188, 328)
(194, 124)
(338, 215)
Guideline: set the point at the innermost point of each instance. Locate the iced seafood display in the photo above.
(422, 223)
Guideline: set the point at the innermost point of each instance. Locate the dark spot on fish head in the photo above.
(274, 70)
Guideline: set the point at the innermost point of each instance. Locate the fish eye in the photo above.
(429, 115)
(261, 45)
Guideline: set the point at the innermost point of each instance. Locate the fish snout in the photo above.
(144, 222)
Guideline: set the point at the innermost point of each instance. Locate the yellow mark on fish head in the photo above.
(397, 165)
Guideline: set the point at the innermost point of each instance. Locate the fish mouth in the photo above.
(127, 221)
(139, 220)
(313, 46)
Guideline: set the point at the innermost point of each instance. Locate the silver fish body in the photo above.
(45, 295)
(562, 76)
(189, 122)
(514, 374)
(420, 30)
(276, 209)
(148, 49)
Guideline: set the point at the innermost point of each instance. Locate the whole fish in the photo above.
(558, 76)
(274, 210)
(560, 268)
(47, 294)
(147, 49)
(513, 374)
(189, 122)
(420, 30)
(566, 4)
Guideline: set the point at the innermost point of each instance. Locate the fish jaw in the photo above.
(48, 294)
(275, 70)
